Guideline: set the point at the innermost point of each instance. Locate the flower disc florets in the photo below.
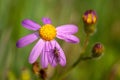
(90, 17)
(47, 32)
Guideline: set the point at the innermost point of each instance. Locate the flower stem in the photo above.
(81, 58)
(74, 65)
(86, 41)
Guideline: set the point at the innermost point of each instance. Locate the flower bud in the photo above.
(97, 50)
(89, 19)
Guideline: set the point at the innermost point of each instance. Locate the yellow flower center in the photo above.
(47, 32)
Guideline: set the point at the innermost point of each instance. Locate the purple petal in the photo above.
(62, 55)
(24, 41)
(44, 56)
(53, 60)
(37, 49)
(68, 38)
(44, 60)
(46, 20)
(31, 25)
(67, 29)
(51, 57)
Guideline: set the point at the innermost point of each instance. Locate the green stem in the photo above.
(74, 65)
(85, 44)
(81, 58)
(81, 53)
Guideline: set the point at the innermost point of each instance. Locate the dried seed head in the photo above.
(36, 68)
(43, 74)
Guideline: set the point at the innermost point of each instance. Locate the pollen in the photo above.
(47, 32)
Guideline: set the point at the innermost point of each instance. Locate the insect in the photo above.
(56, 55)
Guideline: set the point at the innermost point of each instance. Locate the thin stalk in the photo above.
(81, 58)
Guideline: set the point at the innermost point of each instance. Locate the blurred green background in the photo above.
(14, 62)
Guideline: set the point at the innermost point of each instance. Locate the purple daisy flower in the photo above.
(47, 48)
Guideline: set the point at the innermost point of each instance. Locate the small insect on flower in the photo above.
(56, 55)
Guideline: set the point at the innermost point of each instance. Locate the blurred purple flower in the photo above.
(46, 46)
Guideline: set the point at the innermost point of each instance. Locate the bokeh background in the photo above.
(14, 62)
